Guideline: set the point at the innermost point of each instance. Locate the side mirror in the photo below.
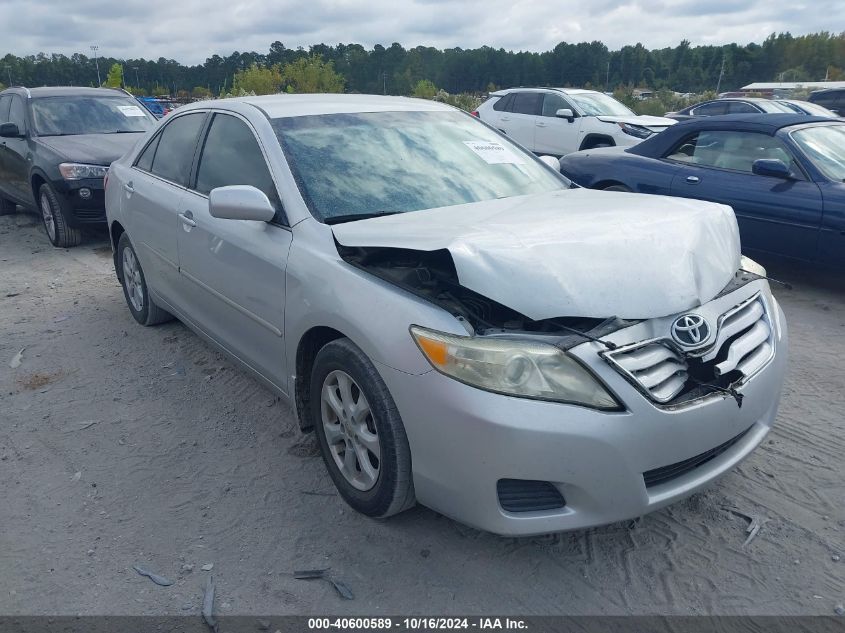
(551, 161)
(565, 113)
(773, 167)
(9, 130)
(240, 202)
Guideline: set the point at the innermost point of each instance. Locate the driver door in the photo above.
(554, 135)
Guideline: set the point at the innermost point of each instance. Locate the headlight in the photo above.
(513, 367)
(635, 130)
(78, 171)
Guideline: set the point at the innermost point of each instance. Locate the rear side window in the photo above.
(713, 108)
(503, 104)
(232, 156)
(740, 107)
(5, 102)
(17, 113)
(145, 161)
(526, 103)
(176, 146)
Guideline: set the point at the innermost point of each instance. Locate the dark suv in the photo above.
(55, 148)
(832, 98)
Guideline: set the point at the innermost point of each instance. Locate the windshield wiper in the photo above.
(351, 217)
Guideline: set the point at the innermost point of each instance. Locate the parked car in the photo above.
(782, 174)
(55, 148)
(717, 107)
(559, 121)
(831, 98)
(807, 107)
(457, 324)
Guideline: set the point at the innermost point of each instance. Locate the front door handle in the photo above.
(540, 124)
(505, 118)
(130, 189)
(693, 180)
(187, 218)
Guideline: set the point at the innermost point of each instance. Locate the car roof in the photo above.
(291, 105)
(762, 123)
(67, 91)
(569, 91)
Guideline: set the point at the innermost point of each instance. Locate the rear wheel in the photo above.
(59, 232)
(131, 275)
(361, 435)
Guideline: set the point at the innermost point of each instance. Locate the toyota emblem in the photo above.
(690, 330)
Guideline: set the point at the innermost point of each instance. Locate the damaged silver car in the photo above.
(456, 324)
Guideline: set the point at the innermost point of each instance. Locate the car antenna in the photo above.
(785, 284)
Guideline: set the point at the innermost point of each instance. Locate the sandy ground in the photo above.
(123, 445)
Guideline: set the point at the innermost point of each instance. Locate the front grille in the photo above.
(661, 475)
(743, 345)
(525, 495)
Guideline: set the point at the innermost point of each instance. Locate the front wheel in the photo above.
(361, 435)
(131, 276)
(59, 232)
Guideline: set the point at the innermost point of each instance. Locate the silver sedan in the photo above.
(458, 325)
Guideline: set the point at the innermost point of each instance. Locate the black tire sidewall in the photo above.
(142, 315)
(66, 235)
(343, 355)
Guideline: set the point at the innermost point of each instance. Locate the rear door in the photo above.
(14, 155)
(775, 215)
(5, 102)
(519, 122)
(152, 191)
(235, 269)
(554, 135)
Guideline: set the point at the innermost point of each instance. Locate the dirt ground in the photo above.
(122, 445)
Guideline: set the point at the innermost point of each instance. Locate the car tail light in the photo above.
(475, 113)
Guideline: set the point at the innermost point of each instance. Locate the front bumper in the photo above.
(81, 210)
(464, 440)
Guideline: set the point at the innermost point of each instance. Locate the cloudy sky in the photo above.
(191, 30)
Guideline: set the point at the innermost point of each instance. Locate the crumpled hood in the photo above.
(576, 252)
(644, 120)
(93, 149)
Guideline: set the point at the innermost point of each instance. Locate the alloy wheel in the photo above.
(47, 215)
(132, 279)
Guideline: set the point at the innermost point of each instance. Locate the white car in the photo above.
(559, 121)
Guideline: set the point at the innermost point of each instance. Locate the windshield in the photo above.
(814, 109)
(599, 104)
(824, 145)
(376, 163)
(61, 116)
(774, 107)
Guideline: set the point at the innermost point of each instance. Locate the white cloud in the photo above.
(191, 30)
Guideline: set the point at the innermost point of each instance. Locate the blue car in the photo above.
(783, 174)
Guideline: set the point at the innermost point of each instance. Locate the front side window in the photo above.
(5, 102)
(73, 115)
(526, 102)
(17, 113)
(824, 145)
(176, 146)
(231, 156)
(740, 107)
(714, 108)
(379, 163)
(552, 103)
(730, 150)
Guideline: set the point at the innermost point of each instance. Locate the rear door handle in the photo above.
(693, 180)
(505, 118)
(540, 124)
(129, 188)
(187, 218)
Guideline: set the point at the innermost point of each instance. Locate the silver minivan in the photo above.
(458, 325)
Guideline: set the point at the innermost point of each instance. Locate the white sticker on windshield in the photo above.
(495, 153)
(131, 111)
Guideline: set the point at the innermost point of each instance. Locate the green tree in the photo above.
(115, 76)
(257, 79)
(200, 92)
(312, 74)
(424, 89)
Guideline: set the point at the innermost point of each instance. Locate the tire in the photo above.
(616, 188)
(134, 284)
(59, 232)
(7, 207)
(385, 487)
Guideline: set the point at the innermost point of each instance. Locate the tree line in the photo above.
(397, 70)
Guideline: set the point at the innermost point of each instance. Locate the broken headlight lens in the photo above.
(514, 367)
(635, 130)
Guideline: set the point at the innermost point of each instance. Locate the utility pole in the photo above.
(721, 74)
(9, 71)
(95, 48)
(607, 80)
(137, 81)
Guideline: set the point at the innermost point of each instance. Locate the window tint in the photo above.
(145, 161)
(740, 107)
(5, 102)
(710, 109)
(17, 114)
(526, 102)
(730, 150)
(175, 150)
(504, 103)
(232, 156)
(552, 103)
